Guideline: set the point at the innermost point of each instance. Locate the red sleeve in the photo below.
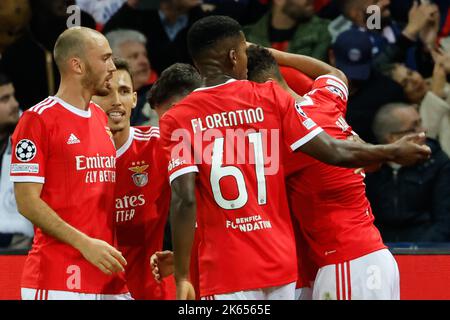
(298, 129)
(296, 80)
(29, 149)
(330, 88)
(177, 146)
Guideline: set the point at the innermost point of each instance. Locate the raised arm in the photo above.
(105, 257)
(183, 218)
(352, 154)
(311, 67)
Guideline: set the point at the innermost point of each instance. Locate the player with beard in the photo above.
(63, 169)
(15, 231)
(142, 191)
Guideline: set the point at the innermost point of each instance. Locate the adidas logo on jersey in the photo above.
(73, 139)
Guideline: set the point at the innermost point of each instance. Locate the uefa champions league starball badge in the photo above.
(25, 150)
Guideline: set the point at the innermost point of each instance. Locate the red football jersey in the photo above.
(71, 152)
(142, 206)
(230, 134)
(307, 270)
(330, 202)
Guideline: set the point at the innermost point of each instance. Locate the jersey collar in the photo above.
(127, 144)
(206, 88)
(71, 108)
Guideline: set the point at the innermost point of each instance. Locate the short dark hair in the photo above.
(261, 64)
(178, 79)
(4, 79)
(207, 32)
(122, 64)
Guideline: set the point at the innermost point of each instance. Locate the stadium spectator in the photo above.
(142, 192)
(102, 10)
(431, 95)
(16, 232)
(391, 41)
(411, 203)
(131, 46)
(165, 28)
(352, 54)
(14, 18)
(399, 10)
(63, 169)
(28, 62)
(292, 26)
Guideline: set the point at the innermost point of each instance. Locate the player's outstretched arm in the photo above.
(343, 153)
(105, 257)
(183, 217)
(311, 67)
(367, 169)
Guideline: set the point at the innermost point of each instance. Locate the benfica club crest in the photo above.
(140, 177)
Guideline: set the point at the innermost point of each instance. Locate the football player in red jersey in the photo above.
(243, 210)
(142, 189)
(174, 83)
(336, 233)
(63, 169)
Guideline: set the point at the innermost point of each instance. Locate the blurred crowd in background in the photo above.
(396, 56)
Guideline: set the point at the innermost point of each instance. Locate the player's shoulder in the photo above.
(332, 85)
(97, 110)
(44, 108)
(145, 133)
(95, 107)
(141, 141)
(178, 114)
(251, 85)
(268, 88)
(230, 87)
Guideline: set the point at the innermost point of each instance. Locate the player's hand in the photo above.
(102, 255)
(441, 57)
(185, 290)
(161, 263)
(411, 149)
